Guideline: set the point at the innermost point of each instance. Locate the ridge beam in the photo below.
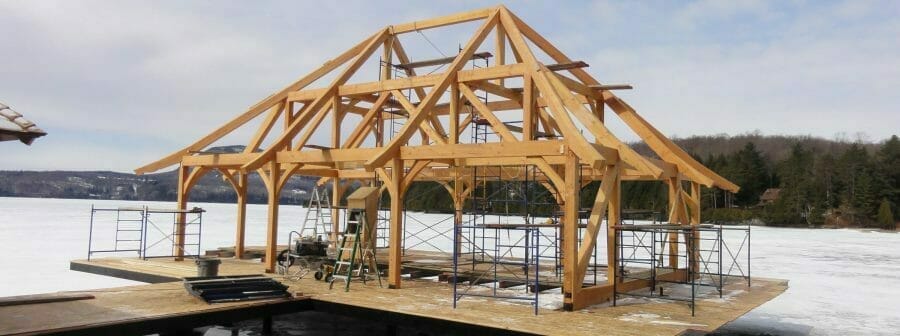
(441, 21)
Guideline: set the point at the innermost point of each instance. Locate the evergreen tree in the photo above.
(798, 195)
(885, 216)
(748, 170)
(826, 181)
(888, 170)
(859, 195)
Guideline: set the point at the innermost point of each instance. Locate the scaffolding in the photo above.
(146, 231)
(653, 253)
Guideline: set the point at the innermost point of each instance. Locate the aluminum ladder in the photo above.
(318, 216)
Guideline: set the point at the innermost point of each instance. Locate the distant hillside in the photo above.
(150, 187)
(774, 148)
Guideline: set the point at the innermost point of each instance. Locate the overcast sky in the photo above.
(118, 84)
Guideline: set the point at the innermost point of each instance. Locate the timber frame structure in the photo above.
(562, 110)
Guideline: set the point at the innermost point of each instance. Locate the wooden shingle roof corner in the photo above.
(13, 126)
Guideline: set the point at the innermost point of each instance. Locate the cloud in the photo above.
(137, 80)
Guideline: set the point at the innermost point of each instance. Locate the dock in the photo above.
(424, 302)
(135, 310)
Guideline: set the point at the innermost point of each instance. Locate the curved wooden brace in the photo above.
(557, 181)
(265, 178)
(289, 171)
(193, 177)
(228, 177)
(414, 171)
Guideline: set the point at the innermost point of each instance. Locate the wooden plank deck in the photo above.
(428, 299)
(134, 310)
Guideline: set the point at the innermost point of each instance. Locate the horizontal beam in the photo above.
(443, 21)
(431, 152)
(439, 61)
(494, 72)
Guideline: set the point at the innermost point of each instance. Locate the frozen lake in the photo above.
(841, 281)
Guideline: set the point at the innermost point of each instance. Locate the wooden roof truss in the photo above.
(557, 103)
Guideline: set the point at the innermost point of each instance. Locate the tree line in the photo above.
(821, 182)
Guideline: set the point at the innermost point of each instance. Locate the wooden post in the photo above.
(181, 204)
(241, 215)
(272, 227)
(500, 49)
(599, 110)
(396, 190)
(528, 106)
(387, 58)
(571, 284)
(458, 203)
(695, 221)
(613, 217)
(288, 114)
(695, 197)
(336, 195)
(454, 113)
(337, 118)
(674, 193)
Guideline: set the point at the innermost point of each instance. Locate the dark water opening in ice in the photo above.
(319, 323)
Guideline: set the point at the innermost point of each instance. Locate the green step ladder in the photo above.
(344, 269)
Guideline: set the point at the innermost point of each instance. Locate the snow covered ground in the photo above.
(842, 282)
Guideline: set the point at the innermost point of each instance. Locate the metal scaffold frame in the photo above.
(693, 255)
(130, 221)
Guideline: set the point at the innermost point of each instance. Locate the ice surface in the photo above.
(842, 282)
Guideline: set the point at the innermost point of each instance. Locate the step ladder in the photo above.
(318, 220)
(353, 258)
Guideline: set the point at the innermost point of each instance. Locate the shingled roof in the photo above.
(13, 126)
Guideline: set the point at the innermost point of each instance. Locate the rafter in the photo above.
(254, 111)
(487, 114)
(320, 102)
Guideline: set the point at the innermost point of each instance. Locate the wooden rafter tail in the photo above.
(372, 43)
(425, 106)
(667, 149)
(252, 112)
